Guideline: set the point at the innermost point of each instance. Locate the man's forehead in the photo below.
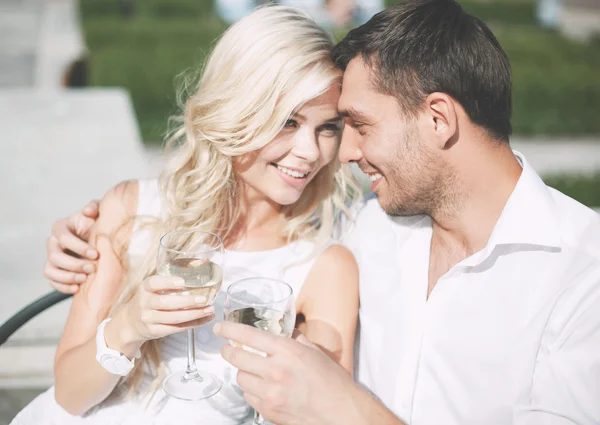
(357, 88)
(358, 72)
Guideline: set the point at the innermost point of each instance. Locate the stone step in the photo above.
(19, 25)
(560, 155)
(82, 143)
(17, 69)
(19, 31)
(26, 366)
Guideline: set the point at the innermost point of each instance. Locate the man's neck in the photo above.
(463, 229)
(487, 181)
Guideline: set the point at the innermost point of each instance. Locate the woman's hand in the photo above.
(160, 308)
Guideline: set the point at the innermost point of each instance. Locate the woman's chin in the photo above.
(287, 197)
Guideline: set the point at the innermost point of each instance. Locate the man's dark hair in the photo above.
(426, 46)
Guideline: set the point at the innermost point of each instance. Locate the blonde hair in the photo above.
(262, 70)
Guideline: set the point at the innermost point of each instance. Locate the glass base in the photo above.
(183, 387)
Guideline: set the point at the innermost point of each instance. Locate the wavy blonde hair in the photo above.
(262, 70)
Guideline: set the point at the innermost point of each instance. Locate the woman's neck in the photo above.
(260, 226)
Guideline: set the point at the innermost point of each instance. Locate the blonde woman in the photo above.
(255, 161)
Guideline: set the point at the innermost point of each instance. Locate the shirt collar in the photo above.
(528, 217)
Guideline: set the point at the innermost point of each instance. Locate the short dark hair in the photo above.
(426, 46)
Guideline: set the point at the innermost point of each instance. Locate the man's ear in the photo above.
(441, 119)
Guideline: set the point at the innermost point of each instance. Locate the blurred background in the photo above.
(553, 46)
(86, 89)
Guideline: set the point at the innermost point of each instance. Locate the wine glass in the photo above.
(264, 303)
(199, 264)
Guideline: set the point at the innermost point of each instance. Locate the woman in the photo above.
(254, 161)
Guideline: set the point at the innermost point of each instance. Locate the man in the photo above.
(480, 286)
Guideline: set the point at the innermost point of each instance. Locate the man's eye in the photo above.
(360, 127)
(329, 130)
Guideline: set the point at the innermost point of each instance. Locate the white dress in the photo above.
(225, 408)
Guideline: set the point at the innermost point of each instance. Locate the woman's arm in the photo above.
(151, 313)
(80, 381)
(329, 303)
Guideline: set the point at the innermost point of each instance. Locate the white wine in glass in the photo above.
(202, 277)
(267, 304)
(196, 257)
(268, 320)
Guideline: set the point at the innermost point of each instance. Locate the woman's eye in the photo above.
(291, 124)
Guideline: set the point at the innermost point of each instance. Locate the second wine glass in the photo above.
(267, 304)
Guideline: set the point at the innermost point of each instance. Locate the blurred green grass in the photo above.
(556, 84)
(145, 54)
(583, 187)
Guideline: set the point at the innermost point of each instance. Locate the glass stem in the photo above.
(258, 419)
(191, 372)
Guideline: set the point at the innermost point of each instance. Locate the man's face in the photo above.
(387, 145)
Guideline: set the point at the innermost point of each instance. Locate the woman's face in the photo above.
(282, 169)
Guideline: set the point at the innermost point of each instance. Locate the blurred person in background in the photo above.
(255, 161)
(328, 13)
(548, 12)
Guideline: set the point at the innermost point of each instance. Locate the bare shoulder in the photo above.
(336, 259)
(119, 202)
(117, 210)
(328, 304)
(125, 192)
(110, 235)
(335, 273)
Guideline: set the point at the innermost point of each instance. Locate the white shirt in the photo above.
(510, 335)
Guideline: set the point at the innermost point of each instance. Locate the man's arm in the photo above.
(296, 382)
(70, 257)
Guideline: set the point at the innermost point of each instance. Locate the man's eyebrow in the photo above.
(329, 120)
(334, 119)
(352, 113)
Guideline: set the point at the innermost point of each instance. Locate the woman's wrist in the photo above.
(120, 336)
